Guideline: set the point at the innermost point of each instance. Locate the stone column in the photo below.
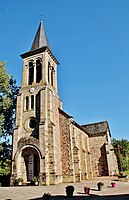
(34, 64)
(71, 164)
(76, 158)
(43, 137)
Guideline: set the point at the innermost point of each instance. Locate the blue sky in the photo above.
(90, 39)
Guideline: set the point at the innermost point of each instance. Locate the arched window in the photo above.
(31, 73)
(32, 101)
(38, 71)
(27, 103)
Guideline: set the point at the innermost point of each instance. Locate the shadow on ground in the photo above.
(110, 197)
(61, 197)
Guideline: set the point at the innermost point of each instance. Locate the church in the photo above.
(47, 142)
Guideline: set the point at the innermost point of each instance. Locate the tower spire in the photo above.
(40, 39)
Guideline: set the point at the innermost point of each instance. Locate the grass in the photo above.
(126, 172)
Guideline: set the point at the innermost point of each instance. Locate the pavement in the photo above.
(121, 192)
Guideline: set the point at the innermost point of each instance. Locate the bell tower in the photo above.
(36, 138)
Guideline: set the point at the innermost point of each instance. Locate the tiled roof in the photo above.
(96, 128)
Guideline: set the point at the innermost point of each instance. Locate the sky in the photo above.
(90, 39)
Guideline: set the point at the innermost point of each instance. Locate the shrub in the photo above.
(34, 179)
(18, 180)
(100, 184)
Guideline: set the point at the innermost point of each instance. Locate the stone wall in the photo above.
(111, 160)
(67, 171)
(103, 158)
(98, 155)
(75, 157)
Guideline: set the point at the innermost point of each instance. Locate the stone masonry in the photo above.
(47, 142)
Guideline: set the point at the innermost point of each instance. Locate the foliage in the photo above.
(35, 179)
(9, 112)
(5, 158)
(4, 79)
(100, 184)
(18, 180)
(8, 93)
(86, 187)
(126, 172)
(4, 90)
(121, 148)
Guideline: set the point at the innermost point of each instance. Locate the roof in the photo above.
(40, 50)
(97, 128)
(40, 39)
(64, 113)
(40, 44)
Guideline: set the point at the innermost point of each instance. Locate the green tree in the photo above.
(121, 148)
(8, 93)
(4, 91)
(4, 79)
(5, 158)
(9, 112)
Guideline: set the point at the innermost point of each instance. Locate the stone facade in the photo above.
(47, 142)
(104, 161)
(75, 157)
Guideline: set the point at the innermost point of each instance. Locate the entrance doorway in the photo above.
(32, 162)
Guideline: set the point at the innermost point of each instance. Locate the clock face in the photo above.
(32, 90)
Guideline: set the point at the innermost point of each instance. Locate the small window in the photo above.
(31, 73)
(38, 71)
(27, 103)
(48, 72)
(32, 101)
(52, 70)
(37, 105)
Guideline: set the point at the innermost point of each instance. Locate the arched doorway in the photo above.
(32, 162)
